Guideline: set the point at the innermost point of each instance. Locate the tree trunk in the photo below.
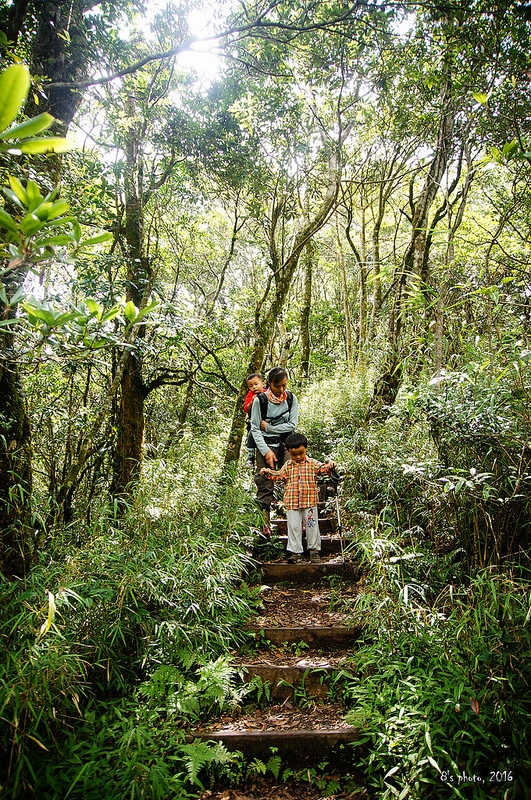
(16, 530)
(59, 52)
(16, 543)
(349, 344)
(306, 309)
(130, 419)
(414, 256)
(413, 262)
(128, 456)
(15, 20)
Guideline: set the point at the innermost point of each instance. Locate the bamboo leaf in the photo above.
(45, 627)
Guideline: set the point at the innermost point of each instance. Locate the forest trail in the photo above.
(304, 645)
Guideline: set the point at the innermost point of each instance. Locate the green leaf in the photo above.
(509, 149)
(76, 229)
(111, 314)
(19, 294)
(92, 240)
(95, 309)
(14, 87)
(7, 221)
(30, 224)
(13, 197)
(146, 310)
(53, 144)
(41, 212)
(58, 209)
(34, 309)
(481, 97)
(29, 128)
(18, 189)
(391, 772)
(66, 316)
(59, 240)
(130, 311)
(33, 192)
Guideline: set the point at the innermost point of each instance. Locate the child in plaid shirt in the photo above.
(300, 496)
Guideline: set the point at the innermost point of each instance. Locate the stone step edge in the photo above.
(335, 635)
(284, 679)
(276, 571)
(302, 742)
(330, 544)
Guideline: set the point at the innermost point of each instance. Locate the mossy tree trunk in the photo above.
(130, 416)
(16, 538)
(306, 309)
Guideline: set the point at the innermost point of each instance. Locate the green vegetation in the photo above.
(114, 642)
(341, 189)
(119, 638)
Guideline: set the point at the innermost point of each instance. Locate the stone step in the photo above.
(318, 637)
(283, 680)
(299, 744)
(305, 572)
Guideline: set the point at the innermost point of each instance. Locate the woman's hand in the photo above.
(270, 459)
(263, 425)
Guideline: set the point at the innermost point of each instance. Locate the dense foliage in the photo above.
(342, 189)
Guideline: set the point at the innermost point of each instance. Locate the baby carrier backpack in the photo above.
(281, 437)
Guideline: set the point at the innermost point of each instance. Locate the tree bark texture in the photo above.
(16, 538)
(59, 52)
(128, 456)
(130, 418)
(306, 309)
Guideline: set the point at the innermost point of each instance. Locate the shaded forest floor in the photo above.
(270, 790)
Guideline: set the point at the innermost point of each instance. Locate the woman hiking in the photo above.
(273, 418)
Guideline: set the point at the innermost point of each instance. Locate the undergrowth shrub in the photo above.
(441, 690)
(332, 410)
(94, 622)
(481, 427)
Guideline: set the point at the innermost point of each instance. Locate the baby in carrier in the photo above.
(256, 385)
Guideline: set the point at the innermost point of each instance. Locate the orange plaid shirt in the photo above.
(301, 482)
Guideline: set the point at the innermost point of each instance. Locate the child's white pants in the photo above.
(295, 517)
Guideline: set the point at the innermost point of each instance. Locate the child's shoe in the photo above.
(315, 558)
(294, 558)
(265, 532)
